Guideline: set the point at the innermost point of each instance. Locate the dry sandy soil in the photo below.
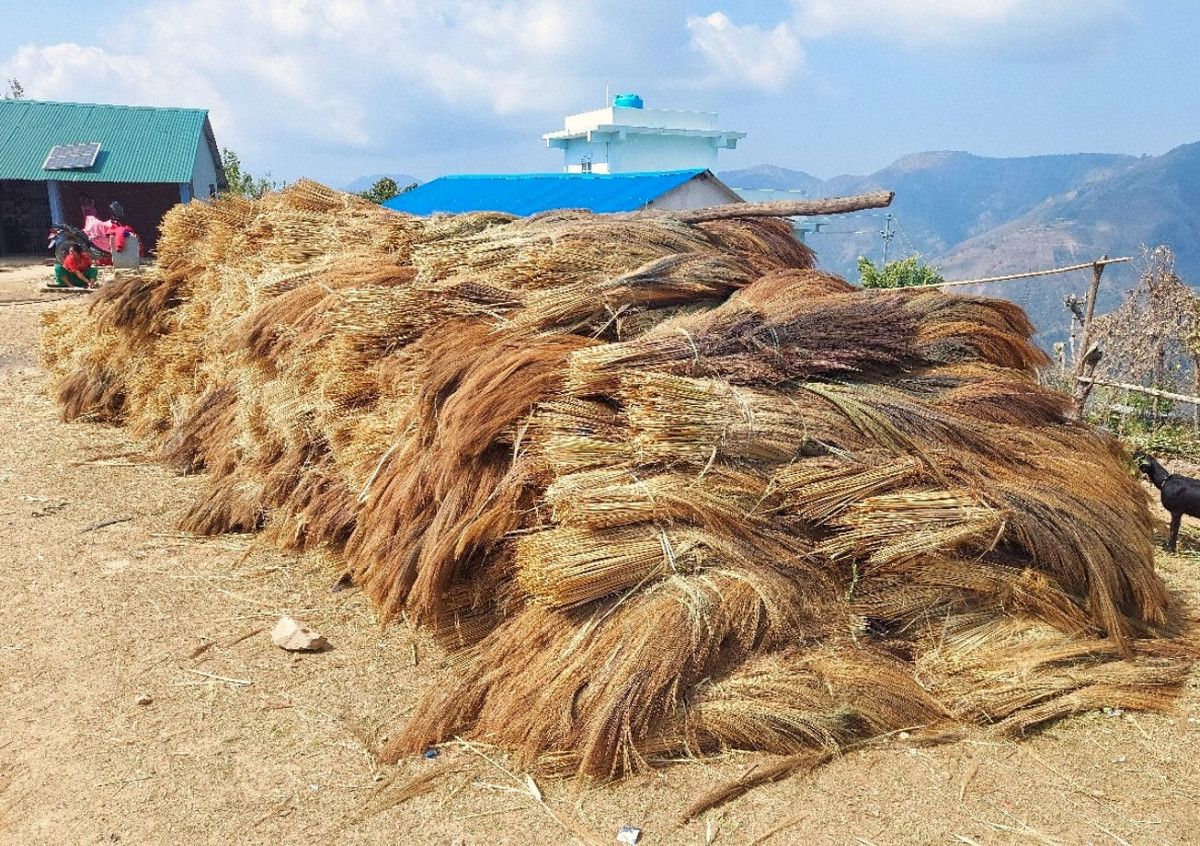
(142, 701)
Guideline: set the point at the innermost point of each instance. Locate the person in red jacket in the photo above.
(76, 270)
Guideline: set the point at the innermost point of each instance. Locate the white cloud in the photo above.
(333, 70)
(72, 72)
(923, 22)
(747, 55)
(323, 82)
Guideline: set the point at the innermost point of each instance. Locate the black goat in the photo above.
(1180, 494)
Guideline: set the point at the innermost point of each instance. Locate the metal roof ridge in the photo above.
(105, 106)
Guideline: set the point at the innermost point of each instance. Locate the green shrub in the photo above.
(897, 274)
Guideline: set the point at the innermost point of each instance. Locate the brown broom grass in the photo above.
(1009, 401)
(720, 498)
(885, 529)
(1016, 675)
(964, 341)
(797, 700)
(664, 488)
(644, 654)
(735, 341)
(817, 490)
(767, 244)
(678, 417)
(795, 284)
(997, 314)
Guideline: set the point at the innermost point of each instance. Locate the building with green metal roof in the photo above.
(55, 157)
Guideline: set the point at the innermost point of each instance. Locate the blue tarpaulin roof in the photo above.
(529, 193)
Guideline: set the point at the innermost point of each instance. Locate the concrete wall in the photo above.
(663, 152)
(641, 153)
(697, 193)
(619, 139)
(204, 172)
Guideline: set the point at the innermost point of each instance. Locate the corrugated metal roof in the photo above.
(529, 193)
(137, 143)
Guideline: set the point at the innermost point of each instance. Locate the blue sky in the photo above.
(338, 89)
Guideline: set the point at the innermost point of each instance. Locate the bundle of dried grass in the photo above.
(664, 487)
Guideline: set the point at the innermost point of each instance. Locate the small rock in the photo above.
(629, 834)
(143, 699)
(290, 635)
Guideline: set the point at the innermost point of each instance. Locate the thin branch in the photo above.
(91, 527)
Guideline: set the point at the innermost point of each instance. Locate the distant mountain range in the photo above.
(976, 217)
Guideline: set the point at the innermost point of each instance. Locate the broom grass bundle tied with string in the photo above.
(659, 485)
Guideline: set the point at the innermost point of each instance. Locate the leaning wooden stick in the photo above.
(780, 208)
(1153, 392)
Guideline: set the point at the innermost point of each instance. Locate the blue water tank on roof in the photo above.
(627, 101)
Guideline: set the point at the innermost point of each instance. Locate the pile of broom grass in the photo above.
(662, 488)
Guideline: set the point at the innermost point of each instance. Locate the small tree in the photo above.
(897, 274)
(384, 189)
(15, 90)
(241, 183)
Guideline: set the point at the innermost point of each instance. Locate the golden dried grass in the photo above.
(663, 488)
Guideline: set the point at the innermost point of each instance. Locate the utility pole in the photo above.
(888, 235)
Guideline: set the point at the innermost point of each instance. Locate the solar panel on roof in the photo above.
(72, 156)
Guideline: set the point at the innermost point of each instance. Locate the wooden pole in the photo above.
(1153, 392)
(1196, 387)
(1085, 364)
(781, 208)
(1025, 275)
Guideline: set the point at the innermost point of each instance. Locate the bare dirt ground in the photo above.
(142, 701)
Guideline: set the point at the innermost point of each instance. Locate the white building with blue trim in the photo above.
(626, 137)
(621, 158)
